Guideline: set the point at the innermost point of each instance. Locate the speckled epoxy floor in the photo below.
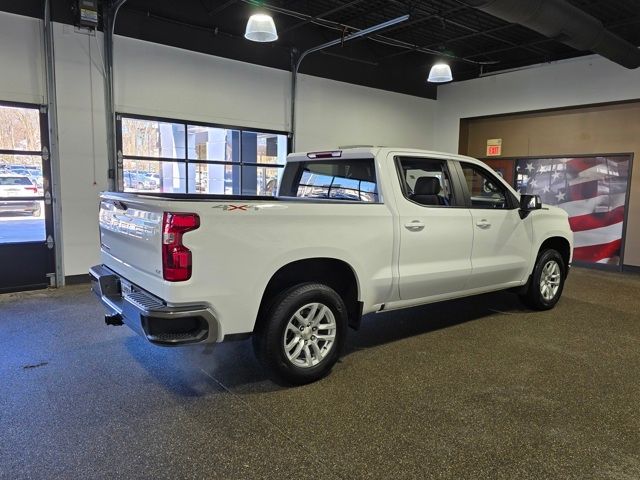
(479, 388)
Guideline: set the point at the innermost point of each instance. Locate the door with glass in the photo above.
(27, 258)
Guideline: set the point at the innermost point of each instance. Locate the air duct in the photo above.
(561, 21)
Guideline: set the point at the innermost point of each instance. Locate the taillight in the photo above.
(176, 258)
(31, 189)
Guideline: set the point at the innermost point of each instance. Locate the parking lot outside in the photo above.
(20, 227)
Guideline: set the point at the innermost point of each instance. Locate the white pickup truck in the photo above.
(351, 232)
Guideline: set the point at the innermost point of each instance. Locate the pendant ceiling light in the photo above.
(440, 73)
(260, 28)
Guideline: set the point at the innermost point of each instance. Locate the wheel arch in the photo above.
(561, 245)
(334, 273)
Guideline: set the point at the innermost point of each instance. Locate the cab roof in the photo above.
(360, 151)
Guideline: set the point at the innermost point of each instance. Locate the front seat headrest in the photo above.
(427, 186)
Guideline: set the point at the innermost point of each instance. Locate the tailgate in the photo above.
(131, 237)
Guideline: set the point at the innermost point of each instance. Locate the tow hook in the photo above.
(113, 319)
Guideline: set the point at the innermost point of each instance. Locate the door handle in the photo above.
(483, 224)
(414, 226)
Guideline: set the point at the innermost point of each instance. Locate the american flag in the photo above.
(592, 190)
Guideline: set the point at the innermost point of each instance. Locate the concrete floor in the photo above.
(479, 388)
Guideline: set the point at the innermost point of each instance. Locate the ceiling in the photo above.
(396, 59)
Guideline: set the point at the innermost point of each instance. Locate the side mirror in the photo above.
(529, 203)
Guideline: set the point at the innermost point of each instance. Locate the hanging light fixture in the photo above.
(440, 73)
(260, 28)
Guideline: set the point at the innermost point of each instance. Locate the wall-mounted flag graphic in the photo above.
(592, 190)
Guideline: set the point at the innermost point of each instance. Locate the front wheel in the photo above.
(547, 281)
(301, 335)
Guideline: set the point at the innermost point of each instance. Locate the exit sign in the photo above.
(494, 147)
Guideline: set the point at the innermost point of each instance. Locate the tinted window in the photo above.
(336, 179)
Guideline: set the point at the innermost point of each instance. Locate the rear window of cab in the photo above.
(348, 180)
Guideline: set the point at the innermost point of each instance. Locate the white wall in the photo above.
(82, 142)
(572, 82)
(332, 113)
(21, 74)
(155, 79)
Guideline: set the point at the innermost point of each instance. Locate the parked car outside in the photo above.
(151, 181)
(18, 186)
(134, 180)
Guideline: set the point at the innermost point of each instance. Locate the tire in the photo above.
(549, 271)
(293, 353)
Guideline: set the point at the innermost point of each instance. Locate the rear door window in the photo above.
(426, 181)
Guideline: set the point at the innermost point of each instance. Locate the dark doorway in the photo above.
(27, 258)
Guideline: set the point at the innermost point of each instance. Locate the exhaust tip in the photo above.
(114, 319)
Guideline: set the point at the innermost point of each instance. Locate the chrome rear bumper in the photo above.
(150, 316)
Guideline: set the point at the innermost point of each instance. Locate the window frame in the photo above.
(511, 200)
(119, 174)
(458, 200)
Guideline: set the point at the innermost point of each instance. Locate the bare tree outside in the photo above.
(19, 130)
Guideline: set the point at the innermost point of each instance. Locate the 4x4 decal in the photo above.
(230, 208)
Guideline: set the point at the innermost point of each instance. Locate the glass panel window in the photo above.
(344, 180)
(485, 191)
(153, 176)
(263, 148)
(26, 165)
(213, 178)
(21, 220)
(260, 180)
(426, 181)
(19, 129)
(151, 138)
(22, 210)
(213, 144)
(209, 159)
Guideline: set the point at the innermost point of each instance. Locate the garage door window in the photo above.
(170, 156)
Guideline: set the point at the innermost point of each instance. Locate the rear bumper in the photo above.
(150, 316)
(19, 206)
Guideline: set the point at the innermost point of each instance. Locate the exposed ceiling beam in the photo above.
(512, 47)
(222, 7)
(485, 33)
(470, 35)
(628, 21)
(427, 17)
(321, 16)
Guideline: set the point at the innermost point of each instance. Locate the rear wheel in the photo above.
(547, 281)
(301, 335)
